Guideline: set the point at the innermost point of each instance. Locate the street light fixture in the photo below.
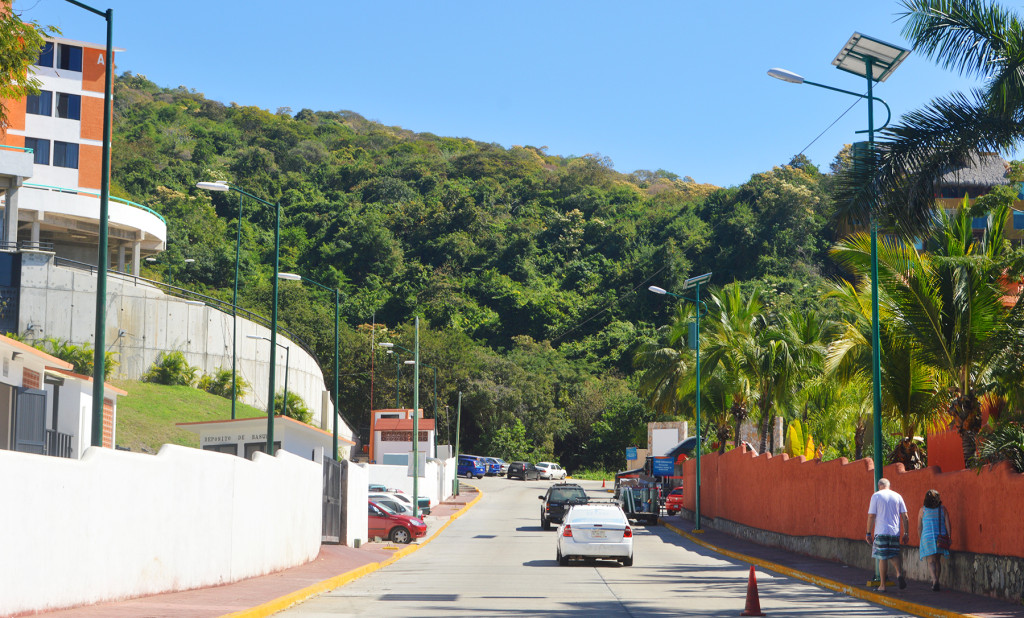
(102, 259)
(874, 60)
(693, 283)
(287, 360)
(337, 303)
(221, 186)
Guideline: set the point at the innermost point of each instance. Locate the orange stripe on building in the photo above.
(31, 379)
(93, 69)
(15, 114)
(90, 166)
(92, 118)
(108, 423)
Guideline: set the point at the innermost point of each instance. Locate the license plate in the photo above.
(598, 534)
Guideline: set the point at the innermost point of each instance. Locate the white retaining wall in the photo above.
(117, 525)
(61, 302)
(356, 520)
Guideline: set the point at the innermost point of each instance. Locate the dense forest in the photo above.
(529, 271)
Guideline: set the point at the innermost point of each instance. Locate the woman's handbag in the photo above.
(942, 539)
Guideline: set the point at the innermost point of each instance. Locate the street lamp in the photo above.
(287, 360)
(695, 283)
(398, 373)
(874, 60)
(221, 186)
(102, 259)
(337, 303)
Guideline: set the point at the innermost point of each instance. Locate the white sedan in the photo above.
(550, 470)
(595, 530)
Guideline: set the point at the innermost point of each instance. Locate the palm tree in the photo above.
(668, 365)
(903, 172)
(945, 308)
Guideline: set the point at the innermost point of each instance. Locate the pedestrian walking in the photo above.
(933, 522)
(886, 513)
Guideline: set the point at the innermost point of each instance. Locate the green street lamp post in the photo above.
(416, 420)
(873, 60)
(221, 186)
(434, 369)
(695, 283)
(398, 364)
(458, 426)
(102, 259)
(337, 304)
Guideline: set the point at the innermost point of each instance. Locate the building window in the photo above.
(65, 154)
(979, 223)
(40, 150)
(41, 104)
(46, 55)
(69, 57)
(69, 106)
(1018, 220)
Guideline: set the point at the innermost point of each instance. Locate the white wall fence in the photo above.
(435, 482)
(142, 322)
(117, 525)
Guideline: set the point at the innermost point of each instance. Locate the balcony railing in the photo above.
(57, 444)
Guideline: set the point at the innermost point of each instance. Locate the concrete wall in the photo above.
(797, 499)
(356, 522)
(116, 525)
(61, 302)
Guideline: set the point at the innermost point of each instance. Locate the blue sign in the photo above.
(630, 453)
(662, 466)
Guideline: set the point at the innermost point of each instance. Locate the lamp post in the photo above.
(458, 426)
(873, 60)
(102, 259)
(337, 303)
(398, 374)
(434, 369)
(287, 360)
(695, 283)
(221, 186)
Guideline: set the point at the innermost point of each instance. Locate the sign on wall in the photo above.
(630, 453)
(662, 466)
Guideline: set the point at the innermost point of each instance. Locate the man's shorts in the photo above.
(886, 546)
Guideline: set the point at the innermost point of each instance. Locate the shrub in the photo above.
(296, 407)
(172, 369)
(1005, 443)
(80, 356)
(219, 383)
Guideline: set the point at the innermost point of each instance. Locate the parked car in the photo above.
(674, 501)
(550, 470)
(523, 470)
(504, 465)
(595, 530)
(470, 466)
(493, 466)
(385, 523)
(401, 506)
(406, 500)
(557, 501)
(378, 487)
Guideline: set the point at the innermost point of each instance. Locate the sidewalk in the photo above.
(917, 599)
(262, 596)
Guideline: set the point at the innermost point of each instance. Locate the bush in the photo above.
(80, 356)
(219, 383)
(171, 369)
(1005, 443)
(296, 407)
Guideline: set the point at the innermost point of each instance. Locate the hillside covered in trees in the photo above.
(529, 271)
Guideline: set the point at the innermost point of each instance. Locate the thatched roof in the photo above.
(984, 170)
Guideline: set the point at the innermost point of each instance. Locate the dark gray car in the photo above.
(523, 470)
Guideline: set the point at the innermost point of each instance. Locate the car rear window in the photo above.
(596, 515)
(678, 491)
(568, 493)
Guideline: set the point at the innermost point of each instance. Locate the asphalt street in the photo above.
(497, 561)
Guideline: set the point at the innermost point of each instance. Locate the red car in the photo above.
(674, 501)
(385, 523)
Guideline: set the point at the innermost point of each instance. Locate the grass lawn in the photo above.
(146, 418)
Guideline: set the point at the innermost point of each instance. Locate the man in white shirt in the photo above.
(885, 514)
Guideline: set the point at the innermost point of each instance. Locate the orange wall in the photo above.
(15, 114)
(90, 166)
(92, 71)
(92, 118)
(830, 499)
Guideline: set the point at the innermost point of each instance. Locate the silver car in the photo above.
(551, 471)
(595, 530)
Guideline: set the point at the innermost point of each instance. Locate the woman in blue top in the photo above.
(932, 520)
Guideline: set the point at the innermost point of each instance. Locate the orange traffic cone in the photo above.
(753, 602)
(602, 483)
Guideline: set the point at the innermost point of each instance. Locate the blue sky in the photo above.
(678, 85)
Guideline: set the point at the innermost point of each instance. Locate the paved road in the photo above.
(496, 561)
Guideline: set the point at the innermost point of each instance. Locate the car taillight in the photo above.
(567, 530)
(627, 533)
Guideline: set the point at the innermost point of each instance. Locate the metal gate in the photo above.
(331, 526)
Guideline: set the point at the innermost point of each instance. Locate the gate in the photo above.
(330, 531)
